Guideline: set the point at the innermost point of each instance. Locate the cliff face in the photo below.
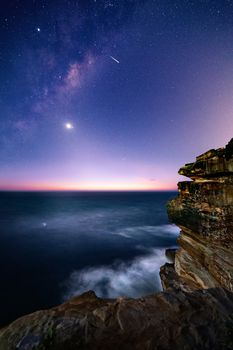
(194, 311)
(204, 212)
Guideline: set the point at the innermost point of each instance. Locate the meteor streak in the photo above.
(114, 59)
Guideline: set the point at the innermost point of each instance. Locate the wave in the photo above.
(159, 231)
(133, 279)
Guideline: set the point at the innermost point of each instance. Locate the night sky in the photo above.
(112, 94)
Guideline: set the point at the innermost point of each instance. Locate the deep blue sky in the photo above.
(132, 123)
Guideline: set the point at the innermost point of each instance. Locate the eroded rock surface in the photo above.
(204, 212)
(168, 320)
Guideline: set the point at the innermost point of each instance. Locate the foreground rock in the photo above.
(204, 212)
(169, 320)
(196, 308)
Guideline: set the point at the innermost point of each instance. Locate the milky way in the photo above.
(108, 94)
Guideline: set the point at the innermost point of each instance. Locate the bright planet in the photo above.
(69, 126)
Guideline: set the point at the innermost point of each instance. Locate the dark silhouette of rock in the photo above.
(170, 254)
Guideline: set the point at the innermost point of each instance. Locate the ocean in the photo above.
(54, 245)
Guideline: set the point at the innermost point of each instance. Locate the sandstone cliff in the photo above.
(196, 308)
(204, 212)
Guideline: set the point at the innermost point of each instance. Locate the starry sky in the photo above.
(111, 94)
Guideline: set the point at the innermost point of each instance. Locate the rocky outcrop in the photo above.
(194, 311)
(169, 320)
(204, 212)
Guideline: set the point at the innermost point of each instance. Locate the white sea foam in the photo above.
(159, 230)
(134, 279)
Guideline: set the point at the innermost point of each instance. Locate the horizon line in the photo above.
(86, 190)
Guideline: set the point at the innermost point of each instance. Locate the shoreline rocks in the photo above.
(169, 320)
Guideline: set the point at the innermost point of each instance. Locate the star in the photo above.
(38, 29)
(69, 126)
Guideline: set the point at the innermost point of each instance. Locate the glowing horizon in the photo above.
(85, 187)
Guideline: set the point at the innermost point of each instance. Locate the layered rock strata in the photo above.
(204, 212)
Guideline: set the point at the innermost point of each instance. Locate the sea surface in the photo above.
(54, 245)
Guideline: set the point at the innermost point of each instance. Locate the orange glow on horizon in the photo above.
(88, 186)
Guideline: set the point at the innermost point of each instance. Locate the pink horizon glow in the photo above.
(88, 186)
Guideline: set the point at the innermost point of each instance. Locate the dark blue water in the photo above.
(55, 245)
